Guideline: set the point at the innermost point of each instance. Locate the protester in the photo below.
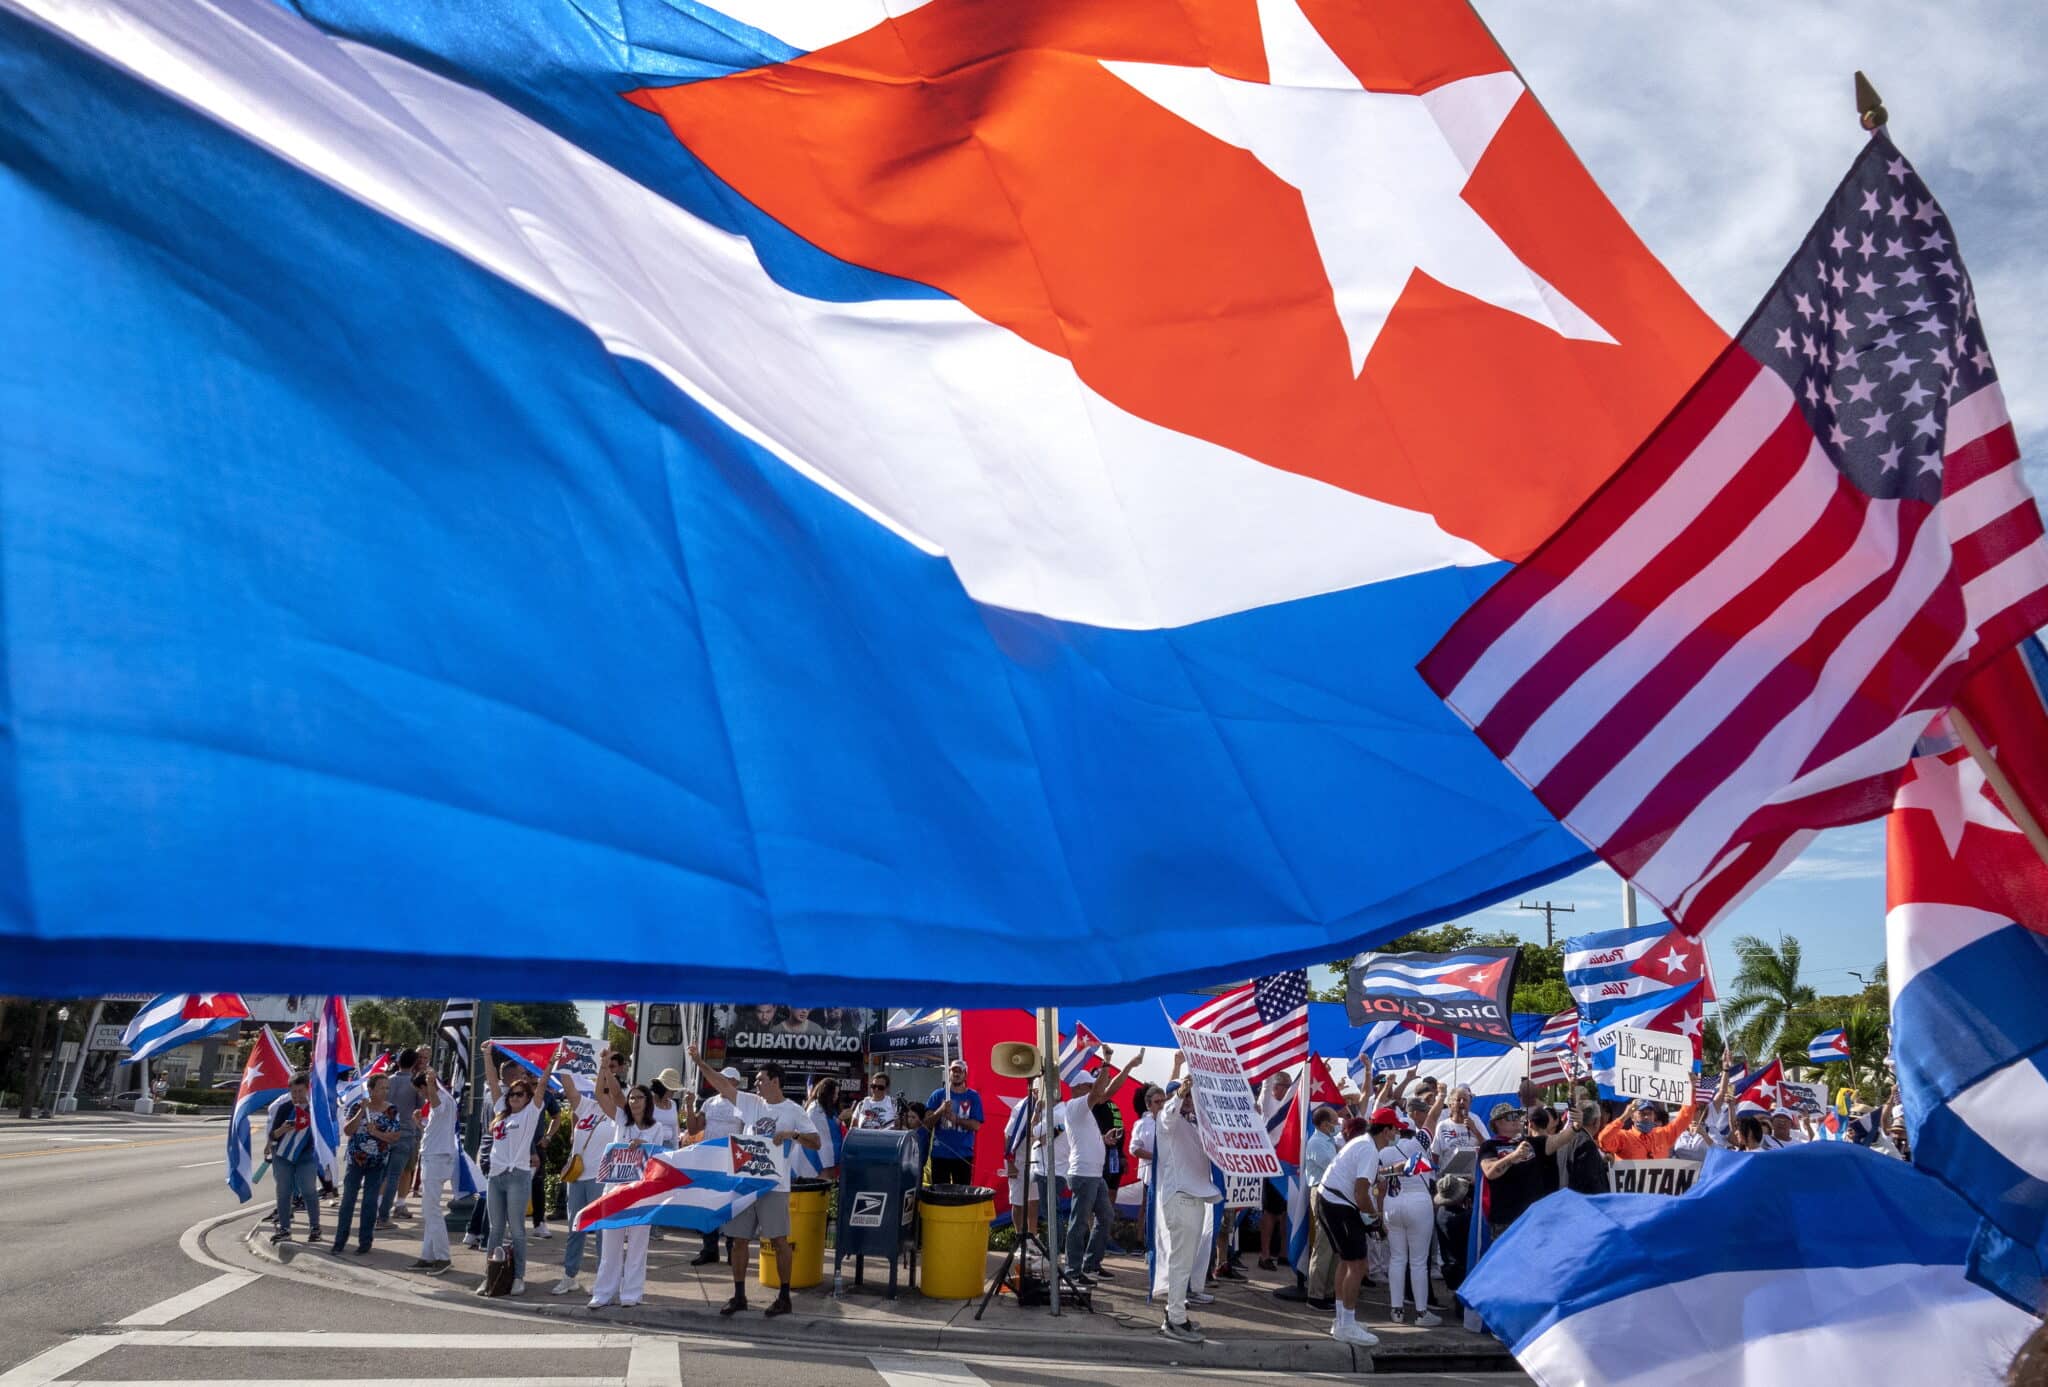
(1272, 1200)
(439, 1151)
(668, 1115)
(1640, 1133)
(1410, 1220)
(1110, 1122)
(823, 1109)
(508, 1170)
(1514, 1169)
(953, 1114)
(719, 1119)
(769, 1115)
(1748, 1134)
(1348, 1207)
(1583, 1168)
(1087, 1231)
(1784, 1130)
(590, 1131)
(879, 1108)
(1457, 1130)
(1316, 1155)
(288, 1146)
(1186, 1187)
(1143, 1144)
(399, 1158)
(1692, 1143)
(372, 1130)
(1453, 1227)
(622, 1252)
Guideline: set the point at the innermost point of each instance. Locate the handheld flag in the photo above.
(700, 1187)
(1761, 1095)
(620, 1014)
(1465, 992)
(356, 1087)
(334, 1051)
(179, 1018)
(1828, 1047)
(301, 1034)
(1266, 1019)
(1968, 972)
(1740, 1292)
(1735, 643)
(1075, 1055)
(2007, 702)
(266, 1077)
(831, 1141)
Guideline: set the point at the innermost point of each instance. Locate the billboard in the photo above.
(804, 1040)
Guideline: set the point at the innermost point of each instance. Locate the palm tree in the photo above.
(1767, 992)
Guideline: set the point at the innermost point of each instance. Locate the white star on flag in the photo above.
(1675, 962)
(1955, 802)
(1381, 174)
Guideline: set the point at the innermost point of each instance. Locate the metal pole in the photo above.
(1049, 1047)
(1628, 904)
(479, 1055)
(68, 1102)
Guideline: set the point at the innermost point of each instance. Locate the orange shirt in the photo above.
(1653, 1145)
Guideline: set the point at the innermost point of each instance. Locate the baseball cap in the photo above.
(1385, 1117)
(730, 1072)
(1501, 1110)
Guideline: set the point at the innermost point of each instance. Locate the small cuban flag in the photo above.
(1076, 1053)
(266, 1078)
(1421, 1164)
(805, 1163)
(334, 1054)
(1828, 1047)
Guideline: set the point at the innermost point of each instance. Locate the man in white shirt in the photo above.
(719, 1120)
(1085, 1155)
(1186, 1191)
(1457, 1130)
(777, 1120)
(439, 1151)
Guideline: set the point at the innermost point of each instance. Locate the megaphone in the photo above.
(1014, 1059)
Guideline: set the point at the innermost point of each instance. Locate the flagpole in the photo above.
(2001, 784)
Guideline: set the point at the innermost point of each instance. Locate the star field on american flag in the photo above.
(1875, 328)
(1281, 993)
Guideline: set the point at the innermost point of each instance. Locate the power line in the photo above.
(1550, 914)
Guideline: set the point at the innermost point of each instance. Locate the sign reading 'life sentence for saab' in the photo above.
(1465, 993)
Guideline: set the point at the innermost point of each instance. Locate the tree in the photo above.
(1539, 976)
(1768, 994)
(536, 1018)
(382, 1021)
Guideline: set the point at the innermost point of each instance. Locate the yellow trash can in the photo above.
(953, 1260)
(807, 1201)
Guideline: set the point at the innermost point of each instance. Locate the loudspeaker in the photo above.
(1014, 1059)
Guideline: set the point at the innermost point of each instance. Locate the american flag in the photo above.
(1266, 1019)
(1548, 1062)
(1735, 642)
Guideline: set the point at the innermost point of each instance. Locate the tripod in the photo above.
(1027, 1241)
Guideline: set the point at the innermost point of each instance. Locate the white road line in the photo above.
(655, 1363)
(51, 1364)
(899, 1370)
(369, 1382)
(89, 1141)
(205, 1293)
(201, 1165)
(314, 1338)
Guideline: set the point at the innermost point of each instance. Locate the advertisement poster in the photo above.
(803, 1040)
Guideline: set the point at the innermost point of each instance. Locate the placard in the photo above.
(1653, 1067)
(1654, 1177)
(1803, 1099)
(622, 1161)
(1243, 1192)
(1233, 1130)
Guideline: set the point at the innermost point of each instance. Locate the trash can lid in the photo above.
(809, 1183)
(951, 1196)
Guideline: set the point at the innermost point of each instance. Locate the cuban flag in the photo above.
(1023, 1112)
(806, 1163)
(357, 1087)
(699, 1187)
(179, 1018)
(2007, 704)
(266, 1077)
(1275, 333)
(1737, 1293)
(1076, 1054)
(1968, 966)
(301, 1034)
(334, 1053)
(620, 1014)
(1828, 1047)
(1613, 971)
(1760, 1095)
(1287, 1129)
(1464, 992)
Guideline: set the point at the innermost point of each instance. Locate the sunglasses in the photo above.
(517, 1097)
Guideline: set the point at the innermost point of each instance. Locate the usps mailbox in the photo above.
(878, 1181)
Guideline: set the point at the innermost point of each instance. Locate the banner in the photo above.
(804, 1040)
(1803, 1099)
(1653, 1066)
(1654, 1177)
(1243, 1191)
(1465, 992)
(623, 1162)
(1233, 1129)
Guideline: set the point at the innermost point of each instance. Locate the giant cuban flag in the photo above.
(266, 1077)
(800, 475)
(1969, 970)
(701, 1187)
(1825, 1263)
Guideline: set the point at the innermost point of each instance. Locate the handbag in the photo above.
(573, 1172)
(498, 1276)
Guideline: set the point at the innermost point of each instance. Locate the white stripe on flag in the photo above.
(2006, 1111)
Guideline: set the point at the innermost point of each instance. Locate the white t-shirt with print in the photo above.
(589, 1134)
(764, 1119)
(876, 1112)
(1453, 1134)
(512, 1138)
(1085, 1150)
(720, 1120)
(1398, 1156)
(1359, 1160)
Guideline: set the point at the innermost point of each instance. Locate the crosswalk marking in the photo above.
(184, 1303)
(901, 1370)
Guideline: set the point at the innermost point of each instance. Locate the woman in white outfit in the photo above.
(622, 1252)
(439, 1151)
(1410, 1214)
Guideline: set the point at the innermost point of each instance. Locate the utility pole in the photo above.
(1550, 914)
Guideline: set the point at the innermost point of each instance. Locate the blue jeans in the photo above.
(1105, 1218)
(358, 1181)
(507, 1193)
(397, 1157)
(301, 1178)
(1083, 1224)
(575, 1195)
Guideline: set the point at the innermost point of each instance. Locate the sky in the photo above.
(1719, 131)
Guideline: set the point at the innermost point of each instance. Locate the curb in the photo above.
(1299, 1354)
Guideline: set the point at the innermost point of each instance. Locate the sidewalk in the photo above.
(1246, 1328)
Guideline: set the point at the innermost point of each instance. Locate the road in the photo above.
(104, 1281)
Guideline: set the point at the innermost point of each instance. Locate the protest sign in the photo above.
(622, 1162)
(1233, 1130)
(1802, 1099)
(1653, 1067)
(1654, 1177)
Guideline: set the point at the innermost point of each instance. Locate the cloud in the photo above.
(1719, 131)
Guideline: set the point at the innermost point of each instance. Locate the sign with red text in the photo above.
(1226, 1109)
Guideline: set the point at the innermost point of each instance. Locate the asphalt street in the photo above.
(105, 1279)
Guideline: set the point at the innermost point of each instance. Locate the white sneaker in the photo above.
(543, 1231)
(1428, 1319)
(565, 1285)
(1200, 1298)
(472, 1240)
(401, 1210)
(1353, 1334)
(519, 1287)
